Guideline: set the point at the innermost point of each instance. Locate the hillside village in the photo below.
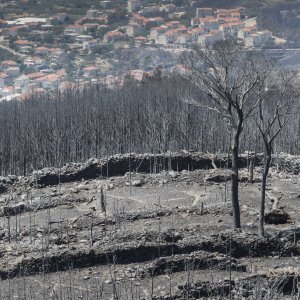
(55, 52)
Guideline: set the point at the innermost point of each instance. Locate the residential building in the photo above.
(1, 81)
(204, 12)
(5, 64)
(156, 31)
(13, 72)
(90, 71)
(140, 40)
(252, 40)
(51, 81)
(4, 78)
(58, 55)
(210, 38)
(90, 44)
(35, 62)
(83, 38)
(133, 5)
(21, 82)
(134, 30)
(209, 23)
(244, 32)
(231, 29)
(113, 36)
(74, 29)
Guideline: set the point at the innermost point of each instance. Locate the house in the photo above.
(136, 74)
(150, 22)
(90, 44)
(258, 39)
(106, 4)
(22, 43)
(31, 92)
(83, 38)
(112, 81)
(22, 82)
(42, 50)
(58, 55)
(228, 20)
(244, 32)
(4, 78)
(195, 21)
(231, 29)
(196, 32)
(173, 24)
(76, 28)
(169, 37)
(133, 5)
(13, 31)
(13, 72)
(141, 40)
(89, 26)
(62, 17)
(34, 62)
(1, 81)
(265, 36)
(9, 93)
(209, 23)
(252, 40)
(167, 8)
(204, 12)
(3, 24)
(92, 13)
(90, 71)
(33, 76)
(144, 22)
(184, 39)
(113, 36)
(5, 64)
(49, 82)
(134, 30)
(210, 38)
(28, 20)
(150, 11)
(156, 31)
(228, 13)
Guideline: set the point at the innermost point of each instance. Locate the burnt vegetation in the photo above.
(124, 192)
(150, 117)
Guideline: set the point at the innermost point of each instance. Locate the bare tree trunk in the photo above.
(252, 159)
(235, 179)
(267, 162)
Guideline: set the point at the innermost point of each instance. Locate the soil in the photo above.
(162, 235)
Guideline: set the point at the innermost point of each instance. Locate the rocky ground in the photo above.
(80, 233)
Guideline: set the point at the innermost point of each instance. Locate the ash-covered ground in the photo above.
(149, 236)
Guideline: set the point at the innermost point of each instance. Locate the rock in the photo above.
(173, 174)
(276, 217)
(137, 183)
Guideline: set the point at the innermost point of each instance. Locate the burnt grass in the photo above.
(164, 235)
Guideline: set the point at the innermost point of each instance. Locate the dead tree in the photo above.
(275, 109)
(102, 201)
(227, 77)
